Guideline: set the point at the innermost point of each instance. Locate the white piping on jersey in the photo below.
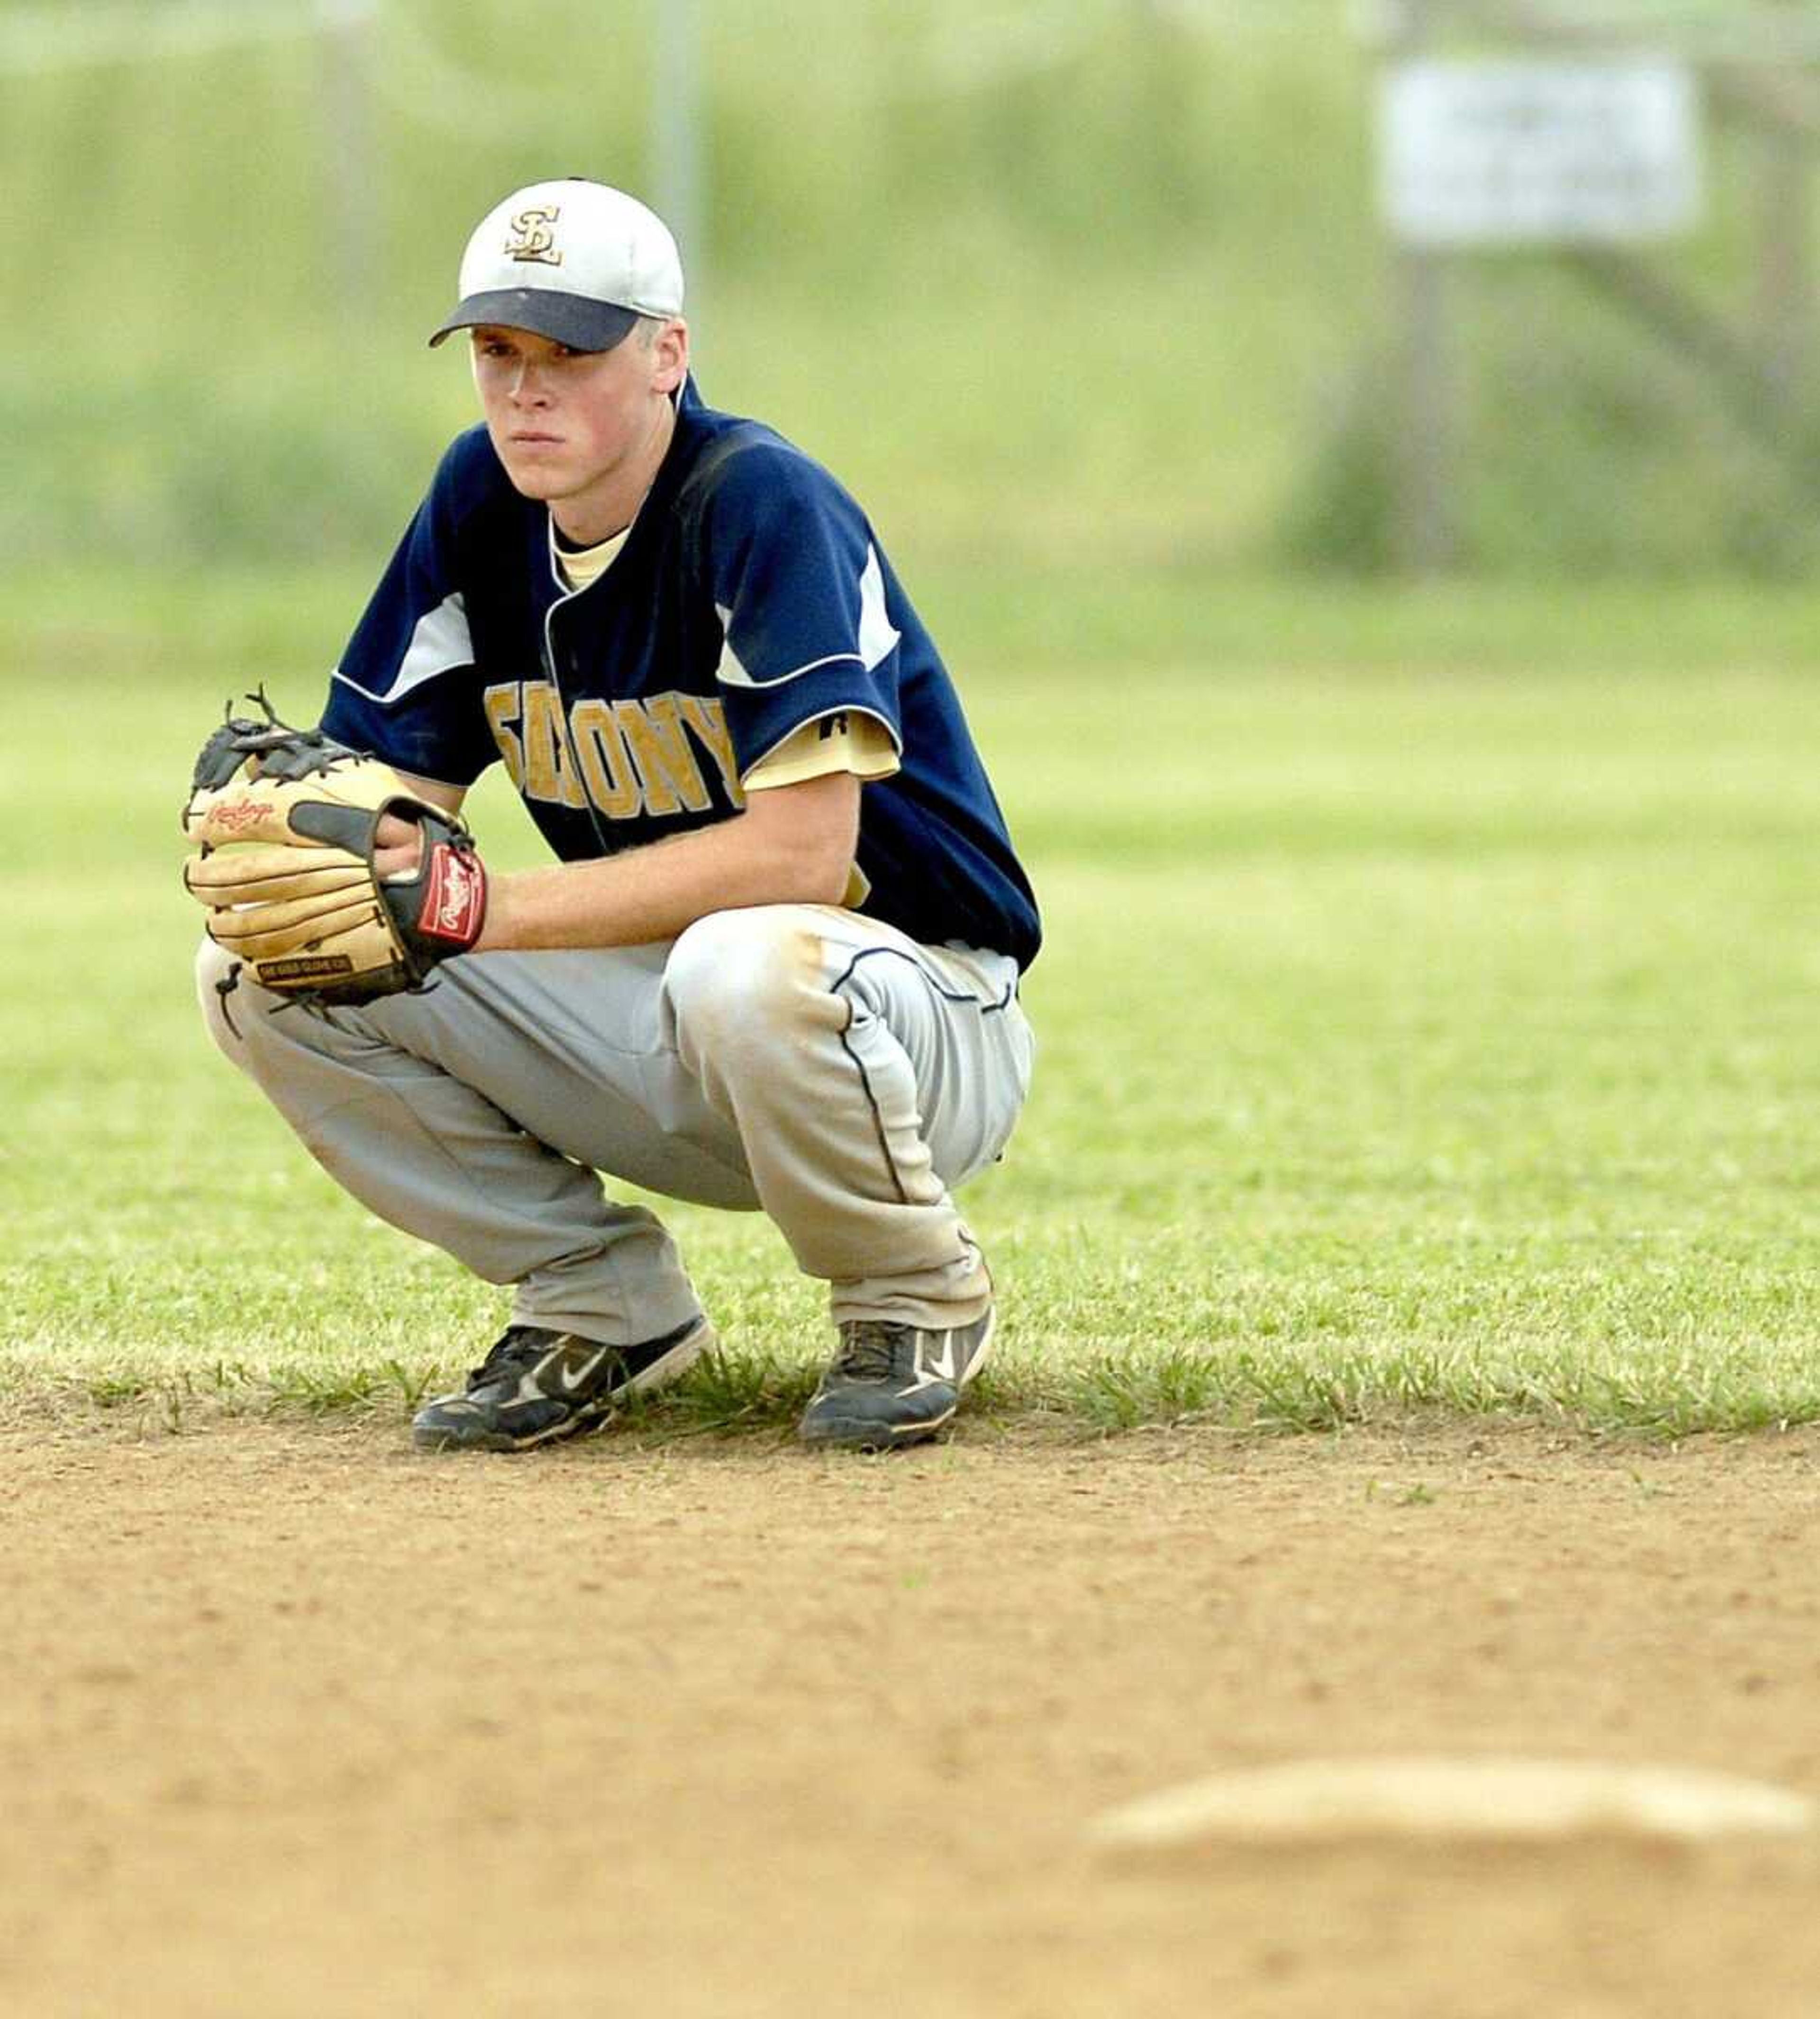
(878, 637)
(440, 644)
(731, 672)
(568, 593)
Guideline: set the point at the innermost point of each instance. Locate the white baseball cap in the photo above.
(573, 260)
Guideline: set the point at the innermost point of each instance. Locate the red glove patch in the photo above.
(454, 896)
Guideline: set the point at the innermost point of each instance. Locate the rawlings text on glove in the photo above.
(286, 824)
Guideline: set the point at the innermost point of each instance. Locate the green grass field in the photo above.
(1427, 1022)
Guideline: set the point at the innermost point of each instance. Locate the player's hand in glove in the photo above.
(289, 862)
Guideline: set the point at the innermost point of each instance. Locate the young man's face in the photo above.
(576, 429)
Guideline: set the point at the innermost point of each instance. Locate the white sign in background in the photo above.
(1514, 153)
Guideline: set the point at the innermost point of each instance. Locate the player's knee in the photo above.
(233, 1009)
(214, 982)
(736, 977)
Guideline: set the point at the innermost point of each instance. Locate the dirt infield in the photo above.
(295, 1721)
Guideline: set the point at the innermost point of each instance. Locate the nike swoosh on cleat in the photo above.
(941, 1369)
(570, 1379)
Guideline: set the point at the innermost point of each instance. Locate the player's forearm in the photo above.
(655, 893)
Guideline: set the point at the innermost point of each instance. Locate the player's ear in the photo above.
(670, 355)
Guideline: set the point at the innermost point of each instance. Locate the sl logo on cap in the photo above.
(532, 238)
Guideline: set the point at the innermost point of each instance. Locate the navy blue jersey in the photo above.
(750, 598)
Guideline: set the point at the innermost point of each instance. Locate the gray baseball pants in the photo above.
(798, 1059)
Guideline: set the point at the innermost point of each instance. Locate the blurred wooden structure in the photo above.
(1758, 71)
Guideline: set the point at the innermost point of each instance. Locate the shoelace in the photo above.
(868, 1348)
(516, 1349)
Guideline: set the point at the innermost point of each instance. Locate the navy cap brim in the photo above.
(571, 319)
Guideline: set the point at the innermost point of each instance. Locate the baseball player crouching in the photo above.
(776, 964)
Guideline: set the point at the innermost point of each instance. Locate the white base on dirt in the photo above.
(1487, 1798)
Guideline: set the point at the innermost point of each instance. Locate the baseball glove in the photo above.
(286, 823)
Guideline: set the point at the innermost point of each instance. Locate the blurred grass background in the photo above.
(1035, 277)
(1427, 1014)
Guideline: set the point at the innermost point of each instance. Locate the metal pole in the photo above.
(1785, 284)
(678, 140)
(1424, 537)
(350, 160)
(1426, 540)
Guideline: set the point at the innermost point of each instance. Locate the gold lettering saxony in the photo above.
(629, 758)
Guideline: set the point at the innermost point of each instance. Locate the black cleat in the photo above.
(537, 1385)
(893, 1384)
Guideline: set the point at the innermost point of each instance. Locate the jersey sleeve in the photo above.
(398, 690)
(835, 742)
(804, 600)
